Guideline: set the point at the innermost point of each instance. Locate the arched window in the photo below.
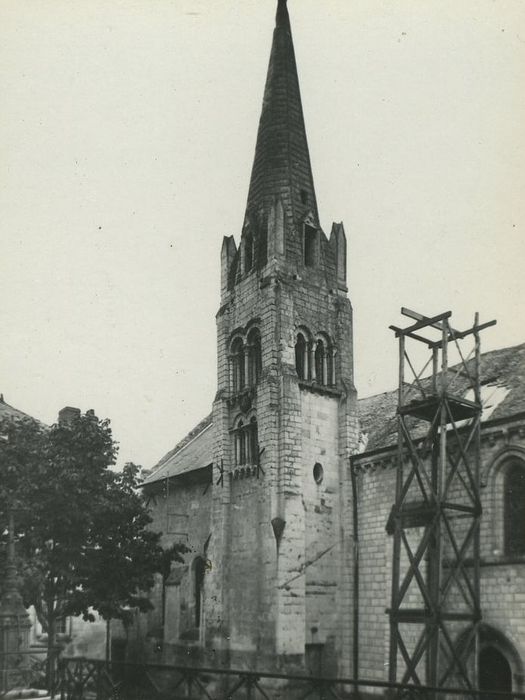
(254, 356)
(237, 362)
(246, 442)
(514, 508)
(320, 362)
(301, 359)
(199, 568)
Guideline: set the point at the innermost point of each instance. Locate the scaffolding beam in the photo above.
(435, 606)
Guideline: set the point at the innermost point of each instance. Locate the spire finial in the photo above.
(282, 18)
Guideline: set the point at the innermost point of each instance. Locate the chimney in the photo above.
(67, 415)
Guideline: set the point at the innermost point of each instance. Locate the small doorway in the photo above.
(494, 671)
(314, 659)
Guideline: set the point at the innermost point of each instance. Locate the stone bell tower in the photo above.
(279, 590)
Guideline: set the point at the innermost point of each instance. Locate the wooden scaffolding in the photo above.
(435, 521)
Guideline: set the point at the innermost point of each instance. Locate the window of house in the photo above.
(514, 508)
(301, 356)
(254, 356)
(61, 625)
(237, 361)
(310, 245)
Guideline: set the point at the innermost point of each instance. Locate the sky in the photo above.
(127, 133)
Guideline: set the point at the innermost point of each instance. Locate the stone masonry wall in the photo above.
(184, 517)
(258, 587)
(319, 420)
(307, 302)
(181, 511)
(250, 527)
(240, 610)
(376, 489)
(502, 577)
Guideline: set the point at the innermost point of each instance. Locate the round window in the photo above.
(318, 473)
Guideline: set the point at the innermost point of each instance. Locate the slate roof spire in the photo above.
(282, 18)
(281, 167)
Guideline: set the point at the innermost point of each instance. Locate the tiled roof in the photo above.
(503, 395)
(11, 413)
(499, 369)
(194, 451)
(377, 418)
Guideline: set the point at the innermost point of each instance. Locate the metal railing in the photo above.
(88, 679)
(25, 668)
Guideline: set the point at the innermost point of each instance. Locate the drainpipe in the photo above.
(355, 518)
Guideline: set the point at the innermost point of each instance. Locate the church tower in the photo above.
(284, 416)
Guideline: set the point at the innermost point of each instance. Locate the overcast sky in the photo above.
(127, 132)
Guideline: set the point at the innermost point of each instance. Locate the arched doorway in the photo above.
(494, 671)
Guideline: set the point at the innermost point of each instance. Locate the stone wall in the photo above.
(240, 608)
(376, 488)
(266, 596)
(181, 511)
(502, 577)
(320, 484)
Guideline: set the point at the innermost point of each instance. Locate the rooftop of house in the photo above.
(66, 414)
(9, 412)
(502, 378)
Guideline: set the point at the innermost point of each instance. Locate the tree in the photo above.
(82, 527)
(122, 566)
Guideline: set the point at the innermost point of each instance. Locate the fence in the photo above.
(86, 679)
(22, 669)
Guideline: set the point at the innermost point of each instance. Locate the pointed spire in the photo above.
(281, 166)
(282, 18)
